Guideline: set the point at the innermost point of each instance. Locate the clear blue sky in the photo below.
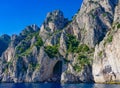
(15, 15)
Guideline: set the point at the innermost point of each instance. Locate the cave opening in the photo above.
(57, 71)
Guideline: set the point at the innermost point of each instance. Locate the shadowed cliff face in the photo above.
(85, 49)
(4, 42)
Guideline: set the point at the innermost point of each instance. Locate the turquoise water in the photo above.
(54, 85)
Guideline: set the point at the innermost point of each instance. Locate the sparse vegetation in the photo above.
(92, 14)
(34, 66)
(118, 25)
(51, 51)
(26, 52)
(82, 60)
(72, 43)
(77, 67)
(24, 49)
(83, 48)
(104, 14)
(9, 63)
(6, 70)
(48, 29)
(110, 38)
(38, 42)
(100, 54)
(20, 49)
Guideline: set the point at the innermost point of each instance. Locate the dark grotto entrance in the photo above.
(57, 71)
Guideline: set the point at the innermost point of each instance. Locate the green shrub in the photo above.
(72, 43)
(110, 38)
(24, 49)
(118, 26)
(77, 67)
(38, 42)
(51, 51)
(27, 52)
(82, 60)
(104, 14)
(83, 48)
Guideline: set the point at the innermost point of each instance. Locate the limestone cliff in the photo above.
(85, 49)
(106, 58)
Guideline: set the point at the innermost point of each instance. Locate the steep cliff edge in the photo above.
(4, 43)
(90, 25)
(106, 58)
(92, 22)
(85, 49)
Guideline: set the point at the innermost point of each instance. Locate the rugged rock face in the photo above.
(90, 26)
(54, 22)
(106, 58)
(4, 42)
(85, 49)
(93, 21)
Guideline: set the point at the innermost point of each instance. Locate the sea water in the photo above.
(56, 85)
